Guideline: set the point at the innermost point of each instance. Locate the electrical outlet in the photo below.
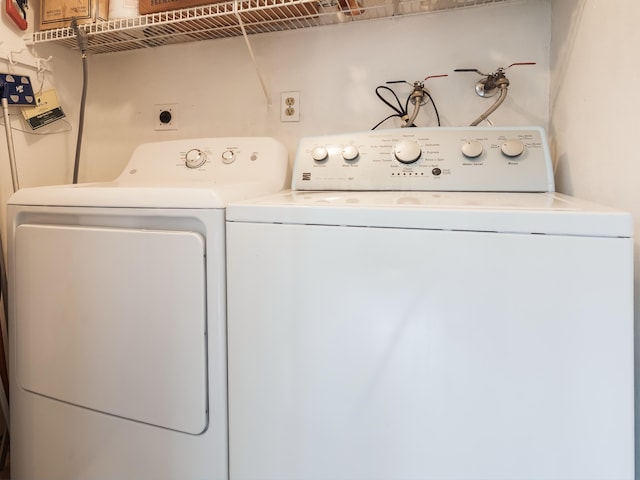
(290, 107)
(165, 116)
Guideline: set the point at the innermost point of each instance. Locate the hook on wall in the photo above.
(42, 64)
(14, 57)
(11, 54)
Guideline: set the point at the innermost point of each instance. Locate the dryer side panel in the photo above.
(113, 320)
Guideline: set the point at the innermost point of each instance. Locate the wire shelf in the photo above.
(222, 20)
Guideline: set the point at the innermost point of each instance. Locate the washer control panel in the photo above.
(505, 159)
(206, 160)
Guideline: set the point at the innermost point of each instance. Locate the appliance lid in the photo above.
(541, 213)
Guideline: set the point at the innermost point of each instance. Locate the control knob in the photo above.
(195, 158)
(350, 153)
(472, 149)
(319, 154)
(407, 151)
(512, 148)
(228, 156)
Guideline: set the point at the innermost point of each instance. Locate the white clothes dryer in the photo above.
(432, 311)
(118, 314)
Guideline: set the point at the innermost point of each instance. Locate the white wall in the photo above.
(591, 107)
(595, 102)
(44, 156)
(594, 96)
(336, 69)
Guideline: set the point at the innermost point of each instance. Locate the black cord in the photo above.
(382, 121)
(82, 40)
(83, 100)
(401, 112)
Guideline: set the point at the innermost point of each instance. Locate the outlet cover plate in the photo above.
(165, 116)
(290, 106)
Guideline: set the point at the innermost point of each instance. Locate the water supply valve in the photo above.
(418, 97)
(489, 85)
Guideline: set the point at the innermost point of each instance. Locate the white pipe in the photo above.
(253, 58)
(12, 153)
(4, 399)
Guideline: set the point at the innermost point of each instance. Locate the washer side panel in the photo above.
(364, 353)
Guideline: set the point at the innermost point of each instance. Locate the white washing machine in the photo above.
(423, 306)
(118, 314)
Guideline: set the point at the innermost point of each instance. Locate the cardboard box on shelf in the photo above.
(273, 12)
(155, 6)
(58, 13)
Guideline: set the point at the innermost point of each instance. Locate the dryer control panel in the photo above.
(499, 159)
(211, 161)
(191, 173)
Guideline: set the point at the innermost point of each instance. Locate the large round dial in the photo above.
(512, 148)
(407, 151)
(195, 158)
